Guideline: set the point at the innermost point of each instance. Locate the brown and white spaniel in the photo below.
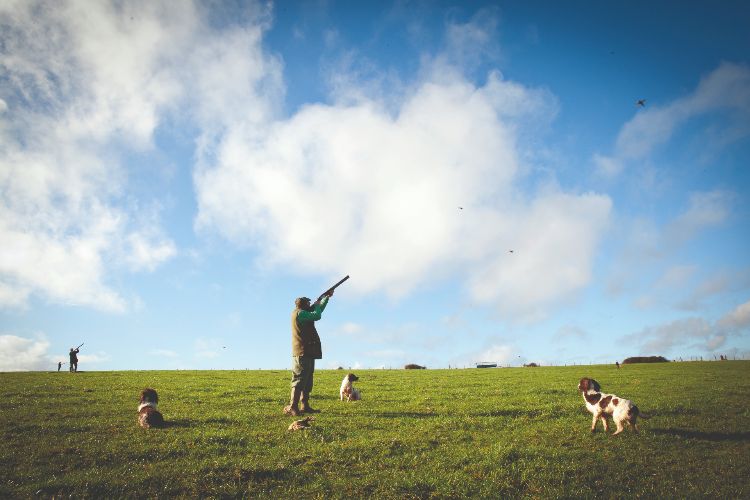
(148, 415)
(348, 392)
(600, 405)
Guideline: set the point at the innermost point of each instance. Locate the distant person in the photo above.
(74, 359)
(306, 349)
(617, 364)
(59, 365)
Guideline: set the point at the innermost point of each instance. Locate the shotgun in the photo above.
(330, 290)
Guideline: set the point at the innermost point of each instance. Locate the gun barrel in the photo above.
(334, 286)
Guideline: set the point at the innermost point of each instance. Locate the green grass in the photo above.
(416, 434)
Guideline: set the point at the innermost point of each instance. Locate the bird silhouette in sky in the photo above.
(510, 251)
(641, 103)
(460, 208)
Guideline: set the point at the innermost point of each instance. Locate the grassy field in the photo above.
(506, 432)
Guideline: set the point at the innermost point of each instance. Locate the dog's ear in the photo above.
(595, 385)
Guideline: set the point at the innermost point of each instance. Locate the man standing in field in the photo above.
(306, 349)
(74, 359)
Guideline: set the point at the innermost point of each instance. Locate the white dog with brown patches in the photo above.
(600, 405)
(148, 415)
(348, 392)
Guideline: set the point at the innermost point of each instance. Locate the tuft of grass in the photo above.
(415, 434)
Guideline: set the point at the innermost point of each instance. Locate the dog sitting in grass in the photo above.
(148, 415)
(600, 405)
(348, 392)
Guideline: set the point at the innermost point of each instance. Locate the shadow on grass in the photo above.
(314, 396)
(404, 414)
(704, 436)
(178, 423)
(510, 412)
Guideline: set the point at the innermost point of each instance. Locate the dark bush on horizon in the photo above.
(645, 359)
(531, 365)
(412, 366)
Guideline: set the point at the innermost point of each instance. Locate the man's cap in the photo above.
(298, 301)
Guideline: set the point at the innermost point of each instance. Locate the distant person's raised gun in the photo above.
(79, 346)
(330, 290)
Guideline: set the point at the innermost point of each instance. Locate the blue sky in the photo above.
(174, 175)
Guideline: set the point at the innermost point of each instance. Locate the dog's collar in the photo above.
(143, 405)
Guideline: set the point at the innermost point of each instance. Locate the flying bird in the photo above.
(460, 208)
(641, 103)
(510, 251)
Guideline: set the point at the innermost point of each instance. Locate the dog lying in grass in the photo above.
(600, 405)
(301, 424)
(148, 415)
(348, 392)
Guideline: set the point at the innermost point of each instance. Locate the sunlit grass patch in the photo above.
(415, 434)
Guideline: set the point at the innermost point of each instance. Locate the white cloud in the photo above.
(375, 192)
(570, 332)
(676, 277)
(349, 328)
(606, 166)
(738, 319)
(502, 354)
(646, 245)
(663, 339)
(691, 332)
(499, 353)
(147, 251)
(706, 209)
(86, 360)
(727, 88)
(360, 184)
(87, 83)
(208, 348)
(22, 354)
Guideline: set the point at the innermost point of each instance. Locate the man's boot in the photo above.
(306, 408)
(292, 408)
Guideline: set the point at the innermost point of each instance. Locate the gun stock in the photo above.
(332, 288)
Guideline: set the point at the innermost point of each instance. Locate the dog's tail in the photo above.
(638, 413)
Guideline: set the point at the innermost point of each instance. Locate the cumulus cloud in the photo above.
(738, 319)
(501, 353)
(714, 285)
(360, 184)
(22, 354)
(692, 332)
(84, 85)
(727, 89)
(375, 189)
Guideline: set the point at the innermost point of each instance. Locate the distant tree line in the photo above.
(645, 359)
